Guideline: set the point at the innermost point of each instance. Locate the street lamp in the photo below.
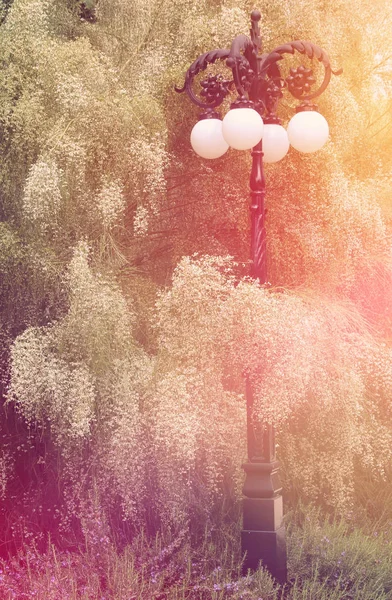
(252, 123)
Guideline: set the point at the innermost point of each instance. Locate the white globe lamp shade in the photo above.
(207, 139)
(242, 128)
(275, 142)
(308, 131)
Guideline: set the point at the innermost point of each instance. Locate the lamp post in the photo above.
(252, 123)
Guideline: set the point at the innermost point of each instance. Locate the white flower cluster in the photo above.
(199, 31)
(300, 353)
(148, 161)
(45, 387)
(31, 14)
(71, 156)
(6, 469)
(42, 194)
(72, 93)
(123, 433)
(99, 321)
(325, 228)
(140, 221)
(54, 369)
(155, 64)
(197, 432)
(98, 328)
(231, 21)
(110, 202)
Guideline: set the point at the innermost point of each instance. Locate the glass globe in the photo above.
(308, 131)
(207, 139)
(275, 142)
(242, 128)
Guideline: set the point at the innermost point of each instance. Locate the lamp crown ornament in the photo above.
(256, 79)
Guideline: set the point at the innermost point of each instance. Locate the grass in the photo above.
(339, 559)
(329, 559)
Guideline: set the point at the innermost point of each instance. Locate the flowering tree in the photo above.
(123, 350)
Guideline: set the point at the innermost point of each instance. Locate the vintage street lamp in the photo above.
(252, 123)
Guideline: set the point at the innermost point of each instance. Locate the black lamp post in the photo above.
(252, 123)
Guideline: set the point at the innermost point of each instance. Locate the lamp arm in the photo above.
(298, 89)
(218, 88)
(240, 58)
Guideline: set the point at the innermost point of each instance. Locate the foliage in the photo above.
(333, 560)
(123, 350)
(327, 559)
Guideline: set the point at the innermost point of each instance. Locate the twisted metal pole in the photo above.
(263, 534)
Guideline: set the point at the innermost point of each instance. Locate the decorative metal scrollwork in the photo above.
(200, 64)
(311, 51)
(256, 76)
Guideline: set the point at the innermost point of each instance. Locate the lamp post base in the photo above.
(263, 535)
(267, 546)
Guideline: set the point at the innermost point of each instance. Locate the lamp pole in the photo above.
(252, 123)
